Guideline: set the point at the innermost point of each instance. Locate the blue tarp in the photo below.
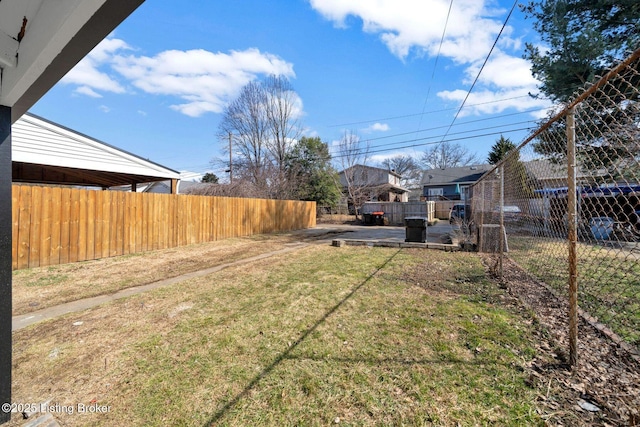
(591, 191)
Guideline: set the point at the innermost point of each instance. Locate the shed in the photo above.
(46, 152)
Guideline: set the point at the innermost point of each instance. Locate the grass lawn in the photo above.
(38, 288)
(608, 279)
(323, 335)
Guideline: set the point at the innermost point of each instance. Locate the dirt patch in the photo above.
(604, 389)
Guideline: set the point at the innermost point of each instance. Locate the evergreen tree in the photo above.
(309, 168)
(210, 178)
(581, 38)
(499, 150)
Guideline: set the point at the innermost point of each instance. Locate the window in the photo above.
(435, 193)
(464, 192)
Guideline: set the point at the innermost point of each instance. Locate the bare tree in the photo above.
(353, 159)
(405, 166)
(448, 155)
(282, 116)
(245, 119)
(263, 124)
(239, 188)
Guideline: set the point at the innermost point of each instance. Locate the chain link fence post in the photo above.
(572, 214)
(569, 193)
(502, 231)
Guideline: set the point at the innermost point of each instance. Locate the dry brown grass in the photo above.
(38, 288)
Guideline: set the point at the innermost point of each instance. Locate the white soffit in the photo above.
(41, 40)
(39, 141)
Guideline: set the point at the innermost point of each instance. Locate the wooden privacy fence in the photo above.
(396, 212)
(53, 225)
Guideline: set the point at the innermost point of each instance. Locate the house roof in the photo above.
(361, 167)
(371, 180)
(546, 170)
(43, 151)
(457, 175)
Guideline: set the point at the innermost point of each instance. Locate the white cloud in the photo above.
(203, 81)
(104, 108)
(86, 90)
(503, 71)
(483, 102)
(407, 26)
(87, 75)
(377, 127)
(414, 27)
(505, 78)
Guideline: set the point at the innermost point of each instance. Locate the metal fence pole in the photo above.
(572, 212)
(502, 233)
(482, 201)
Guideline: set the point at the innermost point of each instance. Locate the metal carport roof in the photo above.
(46, 152)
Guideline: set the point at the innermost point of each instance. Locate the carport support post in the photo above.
(5, 261)
(572, 213)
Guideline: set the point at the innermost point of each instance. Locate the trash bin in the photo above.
(378, 218)
(416, 229)
(367, 218)
(601, 227)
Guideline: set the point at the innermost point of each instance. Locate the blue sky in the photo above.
(157, 85)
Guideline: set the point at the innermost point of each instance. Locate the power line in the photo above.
(457, 133)
(495, 42)
(402, 147)
(428, 112)
(435, 65)
(458, 124)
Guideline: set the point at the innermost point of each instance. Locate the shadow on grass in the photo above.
(287, 353)
(399, 361)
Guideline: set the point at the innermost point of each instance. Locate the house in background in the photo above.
(371, 184)
(45, 152)
(451, 183)
(187, 183)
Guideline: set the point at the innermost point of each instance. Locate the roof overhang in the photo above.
(37, 173)
(41, 40)
(46, 152)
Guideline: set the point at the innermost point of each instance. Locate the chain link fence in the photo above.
(565, 205)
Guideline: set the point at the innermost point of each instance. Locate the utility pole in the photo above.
(230, 160)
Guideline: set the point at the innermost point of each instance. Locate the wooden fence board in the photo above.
(24, 228)
(106, 223)
(98, 224)
(121, 225)
(45, 231)
(74, 226)
(126, 226)
(82, 225)
(34, 234)
(91, 224)
(56, 202)
(54, 225)
(65, 218)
